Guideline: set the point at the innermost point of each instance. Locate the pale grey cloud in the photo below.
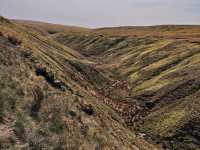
(95, 13)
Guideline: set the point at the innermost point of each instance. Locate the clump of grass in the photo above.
(57, 125)
(36, 104)
(19, 127)
(1, 110)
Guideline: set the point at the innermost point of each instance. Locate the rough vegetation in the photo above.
(112, 88)
(161, 66)
(47, 101)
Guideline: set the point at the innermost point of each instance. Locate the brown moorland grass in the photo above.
(46, 117)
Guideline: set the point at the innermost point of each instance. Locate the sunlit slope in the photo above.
(162, 66)
(46, 101)
(48, 28)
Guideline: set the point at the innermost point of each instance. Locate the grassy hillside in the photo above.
(110, 88)
(162, 66)
(50, 97)
(48, 28)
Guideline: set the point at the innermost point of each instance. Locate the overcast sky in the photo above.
(99, 13)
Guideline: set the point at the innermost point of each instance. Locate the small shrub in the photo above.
(4, 20)
(37, 100)
(57, 125)
(72, 113)
(19, 129)
(19, 126)
(84, 129)
(52, 31)
(14, 40)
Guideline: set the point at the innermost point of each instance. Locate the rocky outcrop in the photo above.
(50, 77)
(88, 109)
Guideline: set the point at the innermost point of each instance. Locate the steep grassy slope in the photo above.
(162, 67)
(47, 28)
(47, 97)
